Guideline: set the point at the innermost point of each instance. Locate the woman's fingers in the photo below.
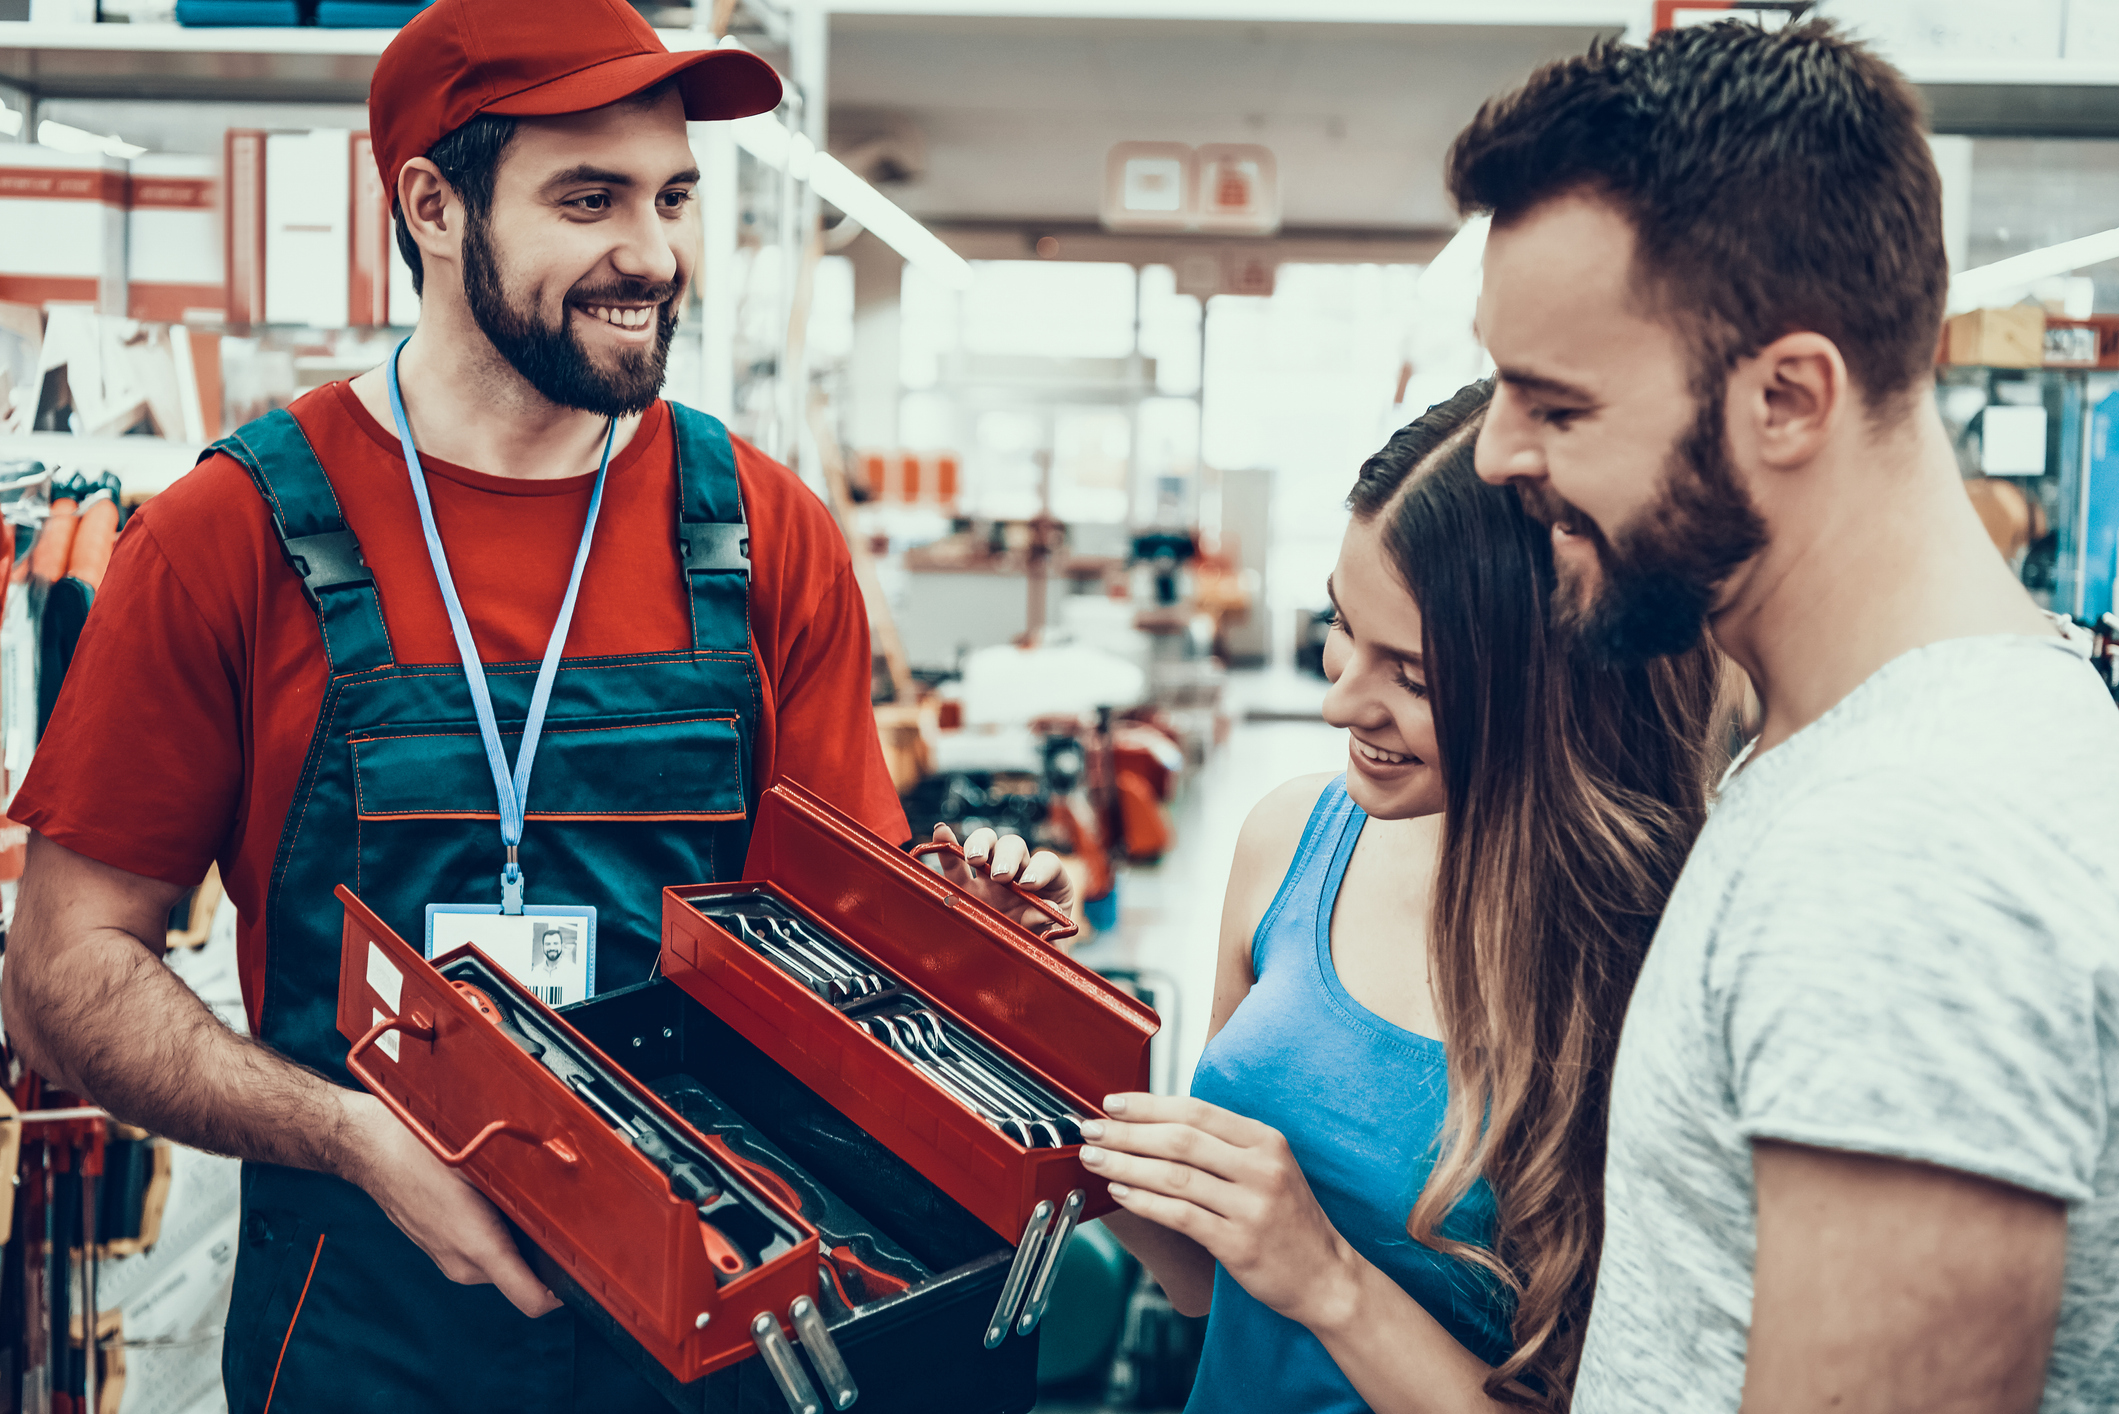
(994, 866)
(1006, 857)
(978, 845)
(1042, 870)
(1175, 1214)
(1173, 1180)
(1138, 1108)
(1179, 1143)
(953, 868)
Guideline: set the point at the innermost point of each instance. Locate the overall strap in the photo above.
(713, 540)
(313, 536)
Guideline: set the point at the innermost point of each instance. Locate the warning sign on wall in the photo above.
(1224, 188)
(1239, 190)
(1148, 186)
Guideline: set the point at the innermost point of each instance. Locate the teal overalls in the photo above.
(643, 780)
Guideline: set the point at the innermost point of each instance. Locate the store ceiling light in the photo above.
(10, 121)
(72, 139)
(766, 139)
(2006, 281)
(836, 183)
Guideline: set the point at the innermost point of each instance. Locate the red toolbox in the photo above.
(784, 1171)
(1040, 1010)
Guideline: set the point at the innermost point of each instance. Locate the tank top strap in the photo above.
(1312, 882)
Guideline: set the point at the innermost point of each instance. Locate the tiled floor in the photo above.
(1170, 913)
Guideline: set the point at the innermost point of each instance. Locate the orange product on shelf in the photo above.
(1140, 811)
(95, 536)
(945, 479)
(54, 549)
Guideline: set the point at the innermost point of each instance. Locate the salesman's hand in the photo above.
(434, 1206)
(996, 862)
(1231, 1185)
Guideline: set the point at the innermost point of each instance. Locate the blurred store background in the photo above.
(1079, 314)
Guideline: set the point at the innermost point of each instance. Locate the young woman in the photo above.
(1386, 1188)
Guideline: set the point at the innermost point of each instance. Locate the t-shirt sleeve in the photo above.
(141, 767)
(1911, 975)
(827, 732)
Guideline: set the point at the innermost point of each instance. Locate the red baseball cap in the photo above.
(524, 58)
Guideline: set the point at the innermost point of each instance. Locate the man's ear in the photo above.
(1787, 400)
(434, 213)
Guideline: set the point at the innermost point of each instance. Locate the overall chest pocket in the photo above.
(686, 765)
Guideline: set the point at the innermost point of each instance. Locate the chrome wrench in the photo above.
(996, 1096)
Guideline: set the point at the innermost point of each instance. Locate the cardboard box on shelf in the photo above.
(174, 256)
(62, 227)
(308, 241)
(369, 292)
(104, 377)
(309, 236)
(1997, 338)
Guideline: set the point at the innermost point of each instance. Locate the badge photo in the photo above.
(548, 948)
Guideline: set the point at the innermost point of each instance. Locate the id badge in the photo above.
(548, 948)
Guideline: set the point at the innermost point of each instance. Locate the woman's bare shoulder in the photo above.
(1273, 830)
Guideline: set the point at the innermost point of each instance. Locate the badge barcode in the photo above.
(548, 995)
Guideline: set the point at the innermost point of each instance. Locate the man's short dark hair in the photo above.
(1775, 182)
(470, 159)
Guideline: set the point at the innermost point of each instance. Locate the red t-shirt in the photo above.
(188, 710)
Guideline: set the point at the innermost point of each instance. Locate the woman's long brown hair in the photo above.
(1573, 791)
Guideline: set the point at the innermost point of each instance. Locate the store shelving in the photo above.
(2019, 97)
(228, 65)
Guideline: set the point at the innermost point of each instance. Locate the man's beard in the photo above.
(1658, 581)
(552, 360)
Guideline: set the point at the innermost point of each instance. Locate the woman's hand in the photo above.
(992, 863)
(1231, 1185)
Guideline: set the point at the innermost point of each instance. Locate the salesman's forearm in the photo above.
(108, 1020)
(90, 1006)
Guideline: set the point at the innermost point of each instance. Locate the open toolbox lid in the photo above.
(592, 1201)
(1060, 1021)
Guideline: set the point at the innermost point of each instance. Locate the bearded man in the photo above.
(1864, 1145)
(319, 655)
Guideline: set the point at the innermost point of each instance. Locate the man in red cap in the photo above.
(490, 628)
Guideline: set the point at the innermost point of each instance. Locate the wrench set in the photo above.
(995, 1089)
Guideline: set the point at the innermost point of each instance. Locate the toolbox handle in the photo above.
(419, 1028)
(1067, 927)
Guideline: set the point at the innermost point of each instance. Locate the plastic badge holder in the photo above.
(1056, 1020)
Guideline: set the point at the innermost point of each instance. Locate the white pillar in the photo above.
(874, 383)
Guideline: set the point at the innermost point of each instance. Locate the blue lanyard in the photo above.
(513, 789)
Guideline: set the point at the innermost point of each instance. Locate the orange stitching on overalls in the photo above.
(288, 1339)
(374, 733)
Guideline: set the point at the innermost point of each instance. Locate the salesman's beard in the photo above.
(1655, 586)
(551, 358)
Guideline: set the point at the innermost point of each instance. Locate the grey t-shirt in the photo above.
(1898, 935)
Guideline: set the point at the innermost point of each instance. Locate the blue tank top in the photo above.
(1360, 1101)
